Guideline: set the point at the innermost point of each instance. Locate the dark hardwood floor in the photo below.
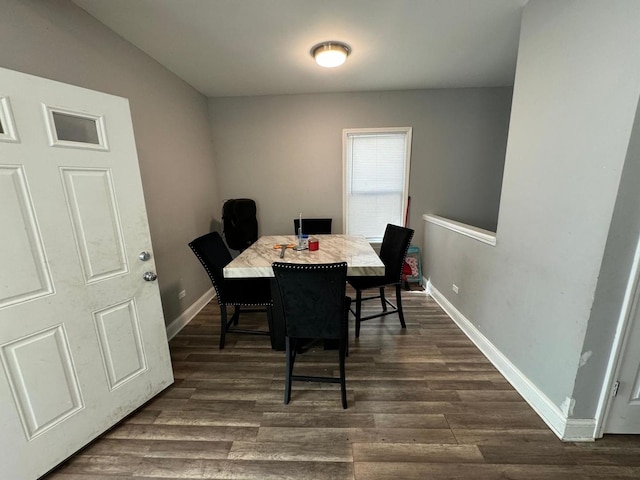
(423, 404)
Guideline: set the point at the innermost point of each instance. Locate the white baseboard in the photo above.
(580, 430)
(573, 430)
(185, 317)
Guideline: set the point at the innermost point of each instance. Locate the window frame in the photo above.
(9, 132)
(52, 132)
(346, 133)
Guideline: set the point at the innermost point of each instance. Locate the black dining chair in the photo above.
(313, 226)
(237, 292)
(393, 252)
(315, 307)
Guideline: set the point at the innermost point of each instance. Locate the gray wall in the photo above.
(286, 151)
(58, 40)
(612, 281)
(575, 95)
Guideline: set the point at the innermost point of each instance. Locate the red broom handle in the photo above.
(406, 213)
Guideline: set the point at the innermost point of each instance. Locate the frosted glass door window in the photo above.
(76, 129)
(70, 129)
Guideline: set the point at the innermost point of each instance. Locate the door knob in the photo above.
(149, 276)
(144, 256)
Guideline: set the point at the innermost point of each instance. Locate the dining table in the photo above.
(256, 262)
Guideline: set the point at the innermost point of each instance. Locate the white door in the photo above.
(624, 410)
(82, 335)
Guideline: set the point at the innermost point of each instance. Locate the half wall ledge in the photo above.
(484, 236)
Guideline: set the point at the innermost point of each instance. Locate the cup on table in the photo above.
(314, 244)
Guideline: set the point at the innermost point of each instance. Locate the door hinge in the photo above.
(616, 387)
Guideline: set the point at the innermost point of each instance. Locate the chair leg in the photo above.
(345, 324)
(223, 325)
(236, 315)
(346, 348)
(270, 326)
(343, 383)
(289, 367)
(358, 311)
(399, 304)
(383, 299)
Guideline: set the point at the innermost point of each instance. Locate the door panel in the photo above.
(121, 346)
(37, 358)
(23, 252)
(82, 335)
(96, 223)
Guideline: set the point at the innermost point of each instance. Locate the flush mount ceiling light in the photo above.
(330, 54)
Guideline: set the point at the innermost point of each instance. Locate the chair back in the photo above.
(313, 298)
(240, 222)
(313, 226)
(214, 256)
(393, 251)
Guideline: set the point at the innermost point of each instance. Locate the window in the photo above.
(72, 129)
(376, 179)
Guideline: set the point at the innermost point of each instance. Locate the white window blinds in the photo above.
(376, 163)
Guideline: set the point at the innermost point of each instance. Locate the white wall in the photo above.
(60, 41)
(286, 151)
(575, 94)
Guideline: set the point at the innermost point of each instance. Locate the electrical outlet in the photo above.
(454, 287)
(182, 294)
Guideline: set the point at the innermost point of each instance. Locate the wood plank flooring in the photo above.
(423, 404)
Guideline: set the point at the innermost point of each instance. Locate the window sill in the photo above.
(484, 236)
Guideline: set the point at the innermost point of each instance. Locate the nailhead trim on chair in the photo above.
(302, 266)
(404, 257)
(215, 286)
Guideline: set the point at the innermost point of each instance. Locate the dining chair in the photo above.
(237, 292)
(315, 307)
(313, 226)
(393, 251)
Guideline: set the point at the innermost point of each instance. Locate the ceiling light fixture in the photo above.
(330, 54)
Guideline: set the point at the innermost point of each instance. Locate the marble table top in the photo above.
(256, 260)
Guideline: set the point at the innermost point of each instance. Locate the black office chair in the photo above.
(393, 252)
(237, 292)
(313, 226)
(315, 307)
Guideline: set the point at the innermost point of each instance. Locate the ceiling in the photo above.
(261, 47)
